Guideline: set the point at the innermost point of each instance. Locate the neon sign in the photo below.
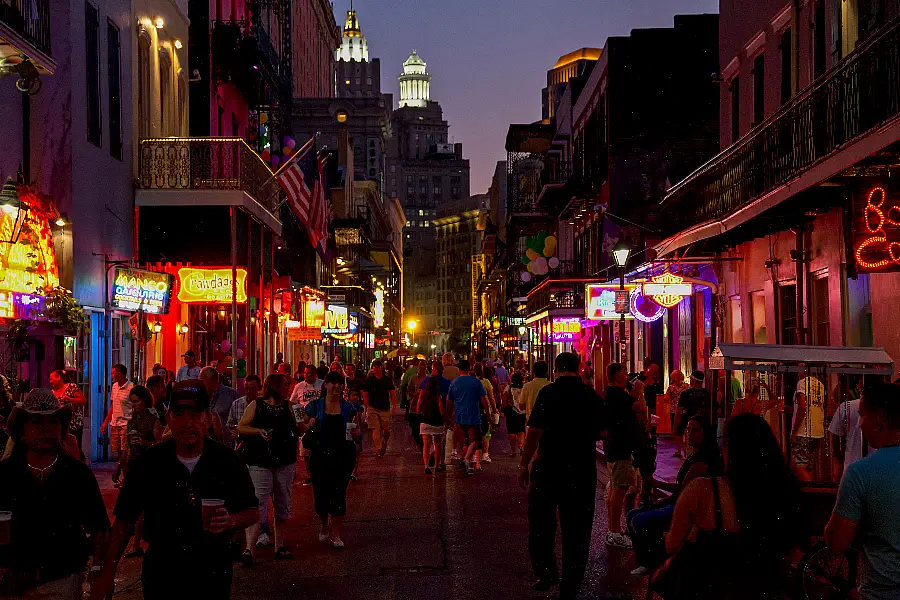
(875, 250)
(600, 304)
(644, 309)
(314, 314)
(210, 286)
(339, 323)
(566, 329)
(667, 289)
(379, 307)
(137, 289)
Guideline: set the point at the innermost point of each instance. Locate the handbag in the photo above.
(687, 573)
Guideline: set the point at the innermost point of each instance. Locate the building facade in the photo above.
(315, 38)
(569, 66)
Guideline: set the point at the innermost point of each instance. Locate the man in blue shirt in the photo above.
(869, 497)
(469, 401)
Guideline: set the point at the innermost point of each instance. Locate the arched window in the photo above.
(143, 84)
(165, 92)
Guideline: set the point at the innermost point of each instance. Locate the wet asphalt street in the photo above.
(409, 535)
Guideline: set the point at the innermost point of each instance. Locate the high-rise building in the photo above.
(425, 171)
(569, 66)
(357, 76)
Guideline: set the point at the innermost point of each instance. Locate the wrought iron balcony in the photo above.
(858, 95)
(26, 22)
(207, 164)
(554, 293)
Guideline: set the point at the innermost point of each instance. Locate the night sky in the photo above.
(489, 58)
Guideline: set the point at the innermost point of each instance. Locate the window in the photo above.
(368, 81)
(787, 313)
(819, 48)
(759, 89)
(165, 91)
(421, 212)
(143, 82)
(735, 109)
(92, 62)
(821, 322)
(787, 74)
(114, 91)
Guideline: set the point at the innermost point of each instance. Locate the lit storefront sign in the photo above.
(566, 329)
(379, 307)
(876, 231)
(667, 289)
(22, 306)
(339, 323)
(210, 286)
(314, 314)
(601, 301)
(310, 328)
(515, 321)
(138, 289)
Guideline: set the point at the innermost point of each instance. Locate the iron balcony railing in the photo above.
(207, 164)
(30, 19)
(555, 294)
(859, 94)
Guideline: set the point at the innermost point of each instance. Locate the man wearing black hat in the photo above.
(51, 503)
(194, 493)
(190, 369)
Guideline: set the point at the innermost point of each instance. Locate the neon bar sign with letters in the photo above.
(877, 233)
(566, 329)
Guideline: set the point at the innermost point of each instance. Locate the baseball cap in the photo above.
(190, 391)
(698, 376)
(189, 353)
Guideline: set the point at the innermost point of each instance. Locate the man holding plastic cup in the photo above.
(194, 494)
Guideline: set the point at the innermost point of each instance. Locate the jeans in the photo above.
(276, 484)
(647, 529)
(573, 496)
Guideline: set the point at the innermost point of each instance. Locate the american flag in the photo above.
(300, 197)
(318, 220)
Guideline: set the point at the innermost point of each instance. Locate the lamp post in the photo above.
(620, 253)
(411, 327)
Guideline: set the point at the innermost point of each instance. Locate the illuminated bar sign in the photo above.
(337, 320)
(667, 289)
(314, 314)
(876, 230)
(379, 307)
(600, 301)
(210, 286)
(138, 289)
(566, 329)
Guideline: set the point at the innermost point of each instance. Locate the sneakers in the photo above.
(486, 459)
(307, 482)
(618, 540)
(337, 543)
(428, 471)
(263, 540)
(323, 537)
(641, 571)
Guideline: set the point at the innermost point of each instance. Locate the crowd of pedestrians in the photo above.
(199, 465)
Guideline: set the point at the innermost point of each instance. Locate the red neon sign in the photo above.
(875, 250)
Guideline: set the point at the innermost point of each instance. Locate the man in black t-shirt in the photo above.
(563, 428)
(188, 555)
(379, 395)
(693, 401)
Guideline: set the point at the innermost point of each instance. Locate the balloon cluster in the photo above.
(272, 157)
(539, 255)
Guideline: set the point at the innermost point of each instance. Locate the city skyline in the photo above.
(509, 84)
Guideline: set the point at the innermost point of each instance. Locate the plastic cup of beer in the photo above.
(5, 527)
(209, 506)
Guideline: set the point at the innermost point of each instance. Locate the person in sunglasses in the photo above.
(194, 493)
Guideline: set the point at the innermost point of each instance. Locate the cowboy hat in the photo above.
(38, 402)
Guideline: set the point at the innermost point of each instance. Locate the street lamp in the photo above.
(11, 205)
(620, 253)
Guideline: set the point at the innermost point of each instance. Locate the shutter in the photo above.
(835, 15)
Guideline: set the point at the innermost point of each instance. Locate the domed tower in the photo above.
(415, 82)
(353, 44)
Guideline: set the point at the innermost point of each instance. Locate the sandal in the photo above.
(283, 554)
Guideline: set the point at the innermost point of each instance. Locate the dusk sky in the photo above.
(489, 58)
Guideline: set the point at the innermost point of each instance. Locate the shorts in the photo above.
(805, 450)
(117, 437)
(426, 429)
(623, 476)
(469, 434)
(275, 483)
(380, 422)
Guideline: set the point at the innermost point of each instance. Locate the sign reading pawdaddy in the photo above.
(210, 286)
(137, 289)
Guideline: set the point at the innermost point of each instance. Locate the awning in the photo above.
(796, 358)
